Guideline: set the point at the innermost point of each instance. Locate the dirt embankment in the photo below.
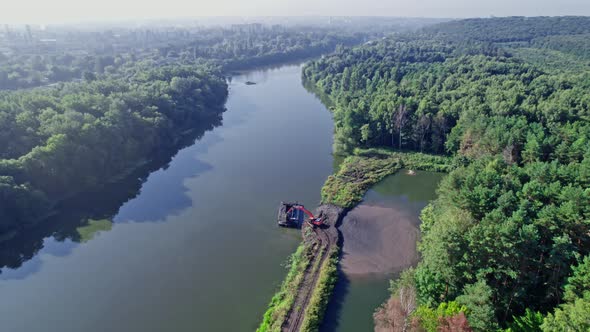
(333, 216)
(322, 240)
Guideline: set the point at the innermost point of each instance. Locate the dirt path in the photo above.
(323, 240)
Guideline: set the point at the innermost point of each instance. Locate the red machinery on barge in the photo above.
(292, 215)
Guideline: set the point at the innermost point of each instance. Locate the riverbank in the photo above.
(138, 169)
(300, 303)
(341, 191)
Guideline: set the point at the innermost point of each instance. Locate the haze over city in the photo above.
(68, 11)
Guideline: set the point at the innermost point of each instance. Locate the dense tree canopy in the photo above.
(512, 219)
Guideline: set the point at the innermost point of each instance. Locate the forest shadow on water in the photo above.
(80, 218)
(334, 312)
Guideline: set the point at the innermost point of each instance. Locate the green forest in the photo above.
(506, 244)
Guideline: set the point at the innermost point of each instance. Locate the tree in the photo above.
(579, 283)
(423, 129)
(366, 133)
(89, 76)
(531, 321)
(400, 121)
(573, 316)
(477, 298)
(455, 323)
(449, 316)
(396, 313)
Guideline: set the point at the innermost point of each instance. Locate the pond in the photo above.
(379, 241)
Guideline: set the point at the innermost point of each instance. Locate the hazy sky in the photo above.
(52, 11)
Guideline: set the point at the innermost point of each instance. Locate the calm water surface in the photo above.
(357, 296)
(196, 248)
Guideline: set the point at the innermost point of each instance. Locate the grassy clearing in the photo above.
(411, 160)
(282, 301)
(316, 308)
(369, 166)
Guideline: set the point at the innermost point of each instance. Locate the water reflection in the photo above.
(319, 94)
(164, 194)
(83, 217)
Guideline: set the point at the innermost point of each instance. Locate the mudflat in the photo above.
(378, 240)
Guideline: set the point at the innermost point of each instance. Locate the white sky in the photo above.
(56, 11)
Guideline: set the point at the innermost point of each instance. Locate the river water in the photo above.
(195, 246)
(190, 243)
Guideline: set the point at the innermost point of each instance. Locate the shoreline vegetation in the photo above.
(53, 209)
(315, 311)
(281, 302)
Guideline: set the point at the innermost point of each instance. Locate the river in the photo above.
(190, 243)
(195, 247)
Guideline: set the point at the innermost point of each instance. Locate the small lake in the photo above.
(380, 237)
